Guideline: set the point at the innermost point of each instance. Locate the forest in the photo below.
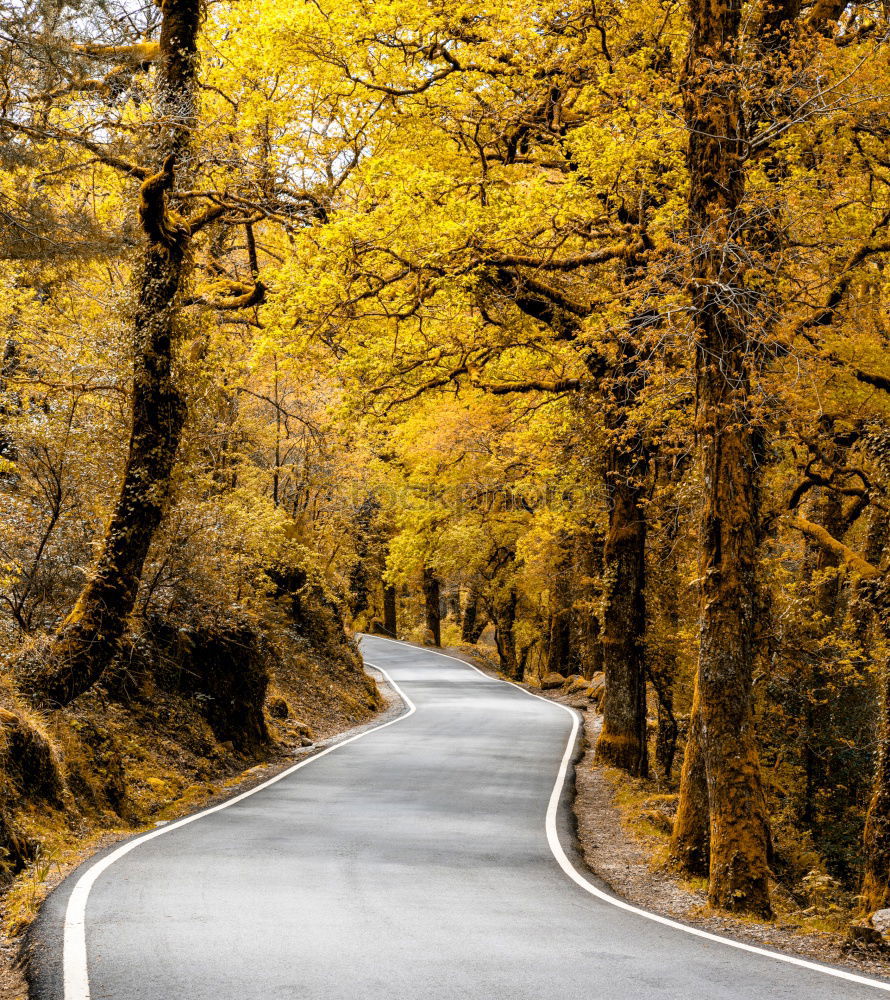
(554, 332)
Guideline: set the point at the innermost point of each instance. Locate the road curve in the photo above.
(412, 863)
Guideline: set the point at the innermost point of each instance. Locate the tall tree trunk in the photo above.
(727, 440)
(662, 666)
(88, 638)
(588, 564)
(559, 646)
(359, 586)
(431, 605)
(622, 741)
(875, 892)
(474, 619)
(691, 839)
(504, 637)
(452, 605)
(666, 736)
(390, 622)
(362, 572)
(664, 671)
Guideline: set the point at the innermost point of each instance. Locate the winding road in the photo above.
(427, 858)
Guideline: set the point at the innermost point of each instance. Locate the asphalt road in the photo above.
(412, 863)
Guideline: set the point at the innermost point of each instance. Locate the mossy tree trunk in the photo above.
(691, 839)
(663, 665)
(666, 735)
(432, 610)
(469, 615)
(390, 617)
(362, 573)
(872, 600)
(88, 638)
(504, 636)
(474, 618)
(875, 892)
(588, 566)
(727, 448)
(452, 605)
(559, 644)
(665, 586)
(622, 741)
(359, 587)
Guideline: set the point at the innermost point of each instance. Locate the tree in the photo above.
(431, 605)
(728, 442)
(87, 639)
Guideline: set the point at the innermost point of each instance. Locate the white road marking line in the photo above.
(573, 873)
(74, 942)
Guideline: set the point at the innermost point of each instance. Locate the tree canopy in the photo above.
(554, 329)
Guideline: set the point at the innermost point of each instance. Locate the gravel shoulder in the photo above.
(630, 865)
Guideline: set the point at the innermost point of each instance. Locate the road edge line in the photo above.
(75, 973)
(566, 865)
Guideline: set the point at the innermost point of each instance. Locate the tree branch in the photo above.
(566, 263)
(849, 557)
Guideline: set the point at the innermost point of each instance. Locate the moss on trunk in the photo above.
(432, 611)
(390, 620)
(504, 636)
(875, 891)
(474, 619)
(690, 842)
(727, 437)
(622, 742)
(559, 637)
